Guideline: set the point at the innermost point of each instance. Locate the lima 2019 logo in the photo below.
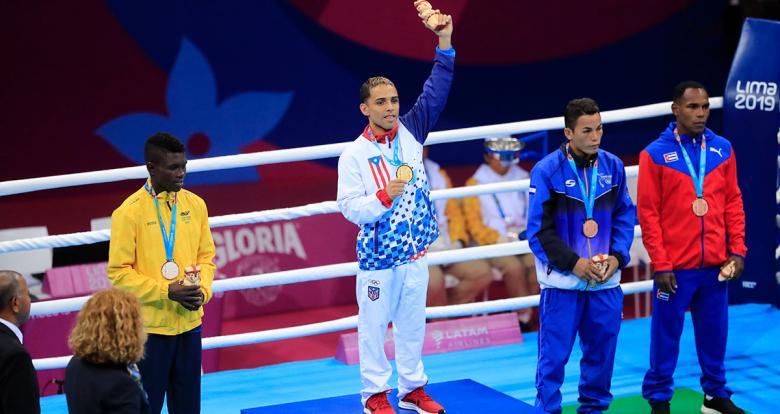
(752, 95)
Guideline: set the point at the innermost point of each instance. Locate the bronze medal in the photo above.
(590, 228)
(404, 172)
(700, 207)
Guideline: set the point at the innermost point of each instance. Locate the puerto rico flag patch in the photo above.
(662, 296)
(670, 157)
(373, 293)
(379, 171)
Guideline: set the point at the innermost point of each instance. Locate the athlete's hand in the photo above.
(666, 282)
(395, 188)
(739, 266)
(190, 297)
(586, 270)
(612, 267)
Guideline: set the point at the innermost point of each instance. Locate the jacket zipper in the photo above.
(702, 243)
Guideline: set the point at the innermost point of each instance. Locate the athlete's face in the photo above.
(381, 107)
(585, 138)
(167, 174)
(692, 110)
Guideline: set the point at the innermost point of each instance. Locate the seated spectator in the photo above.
(501, 217)
(107, 342)
(18, 382)
(473, 275)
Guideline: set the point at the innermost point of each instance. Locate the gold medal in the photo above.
(590, 228)
(700, 207)
(170, 270)
(404, 172)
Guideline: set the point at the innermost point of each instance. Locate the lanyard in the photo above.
(168, 240)
(500, 210)
(588, 199)
(698, 180)
(395, 161)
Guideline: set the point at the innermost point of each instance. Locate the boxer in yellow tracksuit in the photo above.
(158, 232)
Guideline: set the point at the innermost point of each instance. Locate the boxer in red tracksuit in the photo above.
(693, 223)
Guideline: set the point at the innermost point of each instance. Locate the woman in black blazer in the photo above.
(107, 342)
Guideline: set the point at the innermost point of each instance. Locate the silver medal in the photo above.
(170, 270)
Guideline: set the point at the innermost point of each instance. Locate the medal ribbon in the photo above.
(396, 162)
(500, 210)
(698, 181)
(168, 240)
(588, 199)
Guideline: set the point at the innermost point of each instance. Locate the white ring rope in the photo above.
(325, 207)
(312, 274)
(326, 151)
(350, 322)
(330, 272)
(304, 275)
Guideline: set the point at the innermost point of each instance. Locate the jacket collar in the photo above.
(390, 135)
(586, 161)
(12, 328)
(668, 135)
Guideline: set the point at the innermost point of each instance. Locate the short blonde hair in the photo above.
(109, 329)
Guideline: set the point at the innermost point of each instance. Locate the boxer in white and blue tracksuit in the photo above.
(578, 296)
(396, 226)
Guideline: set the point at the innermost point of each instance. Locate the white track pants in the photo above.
(393, 295)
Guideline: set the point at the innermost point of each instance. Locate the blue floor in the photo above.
(753, 370)
(481, 399)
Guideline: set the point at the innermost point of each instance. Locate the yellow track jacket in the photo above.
(137, 254)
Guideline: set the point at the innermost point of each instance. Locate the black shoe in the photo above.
(714, 405)
(660, 408)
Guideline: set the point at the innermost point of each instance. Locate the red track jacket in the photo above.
(674, 237)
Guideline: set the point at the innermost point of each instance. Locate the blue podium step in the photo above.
(457, 397)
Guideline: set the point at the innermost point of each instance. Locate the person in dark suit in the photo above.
(18, 382)
(107, 342)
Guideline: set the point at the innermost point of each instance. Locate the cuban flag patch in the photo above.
(662, 296)
(670, 157)
(373, 293)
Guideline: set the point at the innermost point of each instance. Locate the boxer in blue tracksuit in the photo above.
(580, 228)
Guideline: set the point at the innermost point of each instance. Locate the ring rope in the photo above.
(312, 274)
(264, 216)
(350, 322)
(326, 151)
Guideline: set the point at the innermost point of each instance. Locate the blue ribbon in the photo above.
(698, 181)
(168, 240)
(588, 199)
(396, 161)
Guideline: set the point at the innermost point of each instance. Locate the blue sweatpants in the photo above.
(171, 365)
(708, 300)
(596, 316)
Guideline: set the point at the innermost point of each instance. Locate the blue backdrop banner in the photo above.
(751, 124)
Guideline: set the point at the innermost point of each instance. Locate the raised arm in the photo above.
(430, 104)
